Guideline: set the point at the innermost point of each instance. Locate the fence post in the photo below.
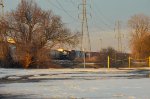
(108, 62)
(129, 62)
(149, 61)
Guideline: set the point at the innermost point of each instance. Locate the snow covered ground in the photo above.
(75, 83)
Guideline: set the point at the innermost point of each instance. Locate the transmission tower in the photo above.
(85, 37)
(2, 9)
(119, 36)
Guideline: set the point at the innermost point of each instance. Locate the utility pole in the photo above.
(85, 37)
(119, 36)
(2, 9)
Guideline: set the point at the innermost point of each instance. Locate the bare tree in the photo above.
(34, 29)
(4, 51)
(140, 30)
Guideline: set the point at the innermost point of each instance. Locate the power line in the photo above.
(73, 3)
(53, 4)
(99, 15)
(98, 26)
(94, 22)
(62, 8)
(103, 22)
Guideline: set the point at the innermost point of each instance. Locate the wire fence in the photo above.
(117, 63)
(130, 62)
(140, 62)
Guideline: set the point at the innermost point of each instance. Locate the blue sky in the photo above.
(104, 15)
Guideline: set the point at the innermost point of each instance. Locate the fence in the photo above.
(107, 63)
(131, 62)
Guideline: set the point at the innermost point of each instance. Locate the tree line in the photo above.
(140, 35)
(33, 31)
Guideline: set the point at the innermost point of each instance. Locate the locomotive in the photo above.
(62, 54)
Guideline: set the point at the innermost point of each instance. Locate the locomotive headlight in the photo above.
(60, 50)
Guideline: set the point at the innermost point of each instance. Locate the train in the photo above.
(61, 54)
